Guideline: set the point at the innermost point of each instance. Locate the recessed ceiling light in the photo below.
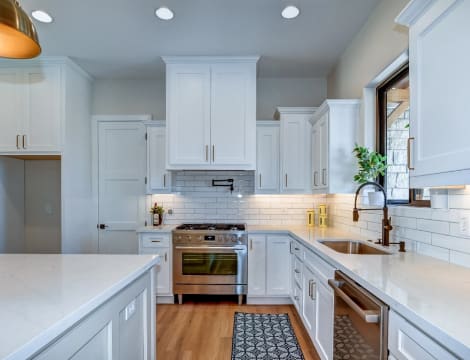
(164, 13)
(290, 12)
(42, 16)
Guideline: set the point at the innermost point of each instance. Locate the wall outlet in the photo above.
(464, 225)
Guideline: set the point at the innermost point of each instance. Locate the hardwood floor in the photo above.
(203, 330)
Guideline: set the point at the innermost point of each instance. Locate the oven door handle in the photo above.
(233, 248)
(369, 316)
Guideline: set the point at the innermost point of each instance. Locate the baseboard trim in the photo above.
(273, 300)
(169, 299)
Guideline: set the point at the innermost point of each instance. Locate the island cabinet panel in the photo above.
(121, 328)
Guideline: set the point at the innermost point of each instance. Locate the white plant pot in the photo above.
(376, 198)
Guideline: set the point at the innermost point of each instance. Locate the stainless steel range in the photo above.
(210, 259)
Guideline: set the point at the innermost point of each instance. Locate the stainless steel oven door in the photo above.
(360, 322)
(214, 265)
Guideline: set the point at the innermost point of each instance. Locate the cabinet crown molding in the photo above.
(46, 60)
(327, 104)
(296, 110)
(412, 12)
(209, 59)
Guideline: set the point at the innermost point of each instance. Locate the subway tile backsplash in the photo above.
(430, 231)
(196, 200)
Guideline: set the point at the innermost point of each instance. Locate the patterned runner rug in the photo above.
(264, 336)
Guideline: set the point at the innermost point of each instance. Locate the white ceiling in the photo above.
(124, 39)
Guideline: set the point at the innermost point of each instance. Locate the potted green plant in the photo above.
(157, 212)
(371, 164)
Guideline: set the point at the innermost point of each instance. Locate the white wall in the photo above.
(129, 97)
(376, 45)
(43, 206)
(11, 205)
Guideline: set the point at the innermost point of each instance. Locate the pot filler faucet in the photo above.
(386, 221)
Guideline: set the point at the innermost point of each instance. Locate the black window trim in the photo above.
(381, 131)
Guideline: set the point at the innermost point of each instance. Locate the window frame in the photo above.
(381, 131)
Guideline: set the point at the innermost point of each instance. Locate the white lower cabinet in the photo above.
(324, 321)
(121, 328)
(309, 308)
(269, 266)
(277, 266)
(159, 244)
(406, 342)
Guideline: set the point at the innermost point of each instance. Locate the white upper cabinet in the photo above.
(267, 157)
(158, 178)
(211, 113)
(188, 110)
(31, 108)
(295, 149)
(439, 78)
(333, 135)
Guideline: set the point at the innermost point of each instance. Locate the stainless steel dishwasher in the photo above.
(360, 322)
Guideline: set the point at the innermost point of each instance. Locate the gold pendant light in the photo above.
(18, 37)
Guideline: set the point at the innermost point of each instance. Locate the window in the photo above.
(393, 131)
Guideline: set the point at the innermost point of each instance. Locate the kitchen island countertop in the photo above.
(41, 296)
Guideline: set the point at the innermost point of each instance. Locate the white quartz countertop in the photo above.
(41, 296)
(157, 229)
(433, 294)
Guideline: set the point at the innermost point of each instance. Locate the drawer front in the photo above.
(406, 342)
(324, 270)
(297, 249)
(297, 270)
(154, 240)
(297, 297)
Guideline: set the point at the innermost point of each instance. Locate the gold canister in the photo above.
(322, 209)
(310, 218)
(323, 221)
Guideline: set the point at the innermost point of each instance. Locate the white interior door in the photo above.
(121, 185)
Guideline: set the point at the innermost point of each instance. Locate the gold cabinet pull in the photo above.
(408, 153)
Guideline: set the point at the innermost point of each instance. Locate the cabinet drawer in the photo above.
(297, 249)
(324, 270)
(154, 240)
(297, 268)
(297, 297)
(405, 341)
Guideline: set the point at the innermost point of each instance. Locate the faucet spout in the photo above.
(386, 221)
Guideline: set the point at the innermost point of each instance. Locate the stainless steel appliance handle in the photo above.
(208, 248)
(369, 316)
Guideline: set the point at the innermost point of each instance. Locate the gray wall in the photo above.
(128, 97)
(378, 43)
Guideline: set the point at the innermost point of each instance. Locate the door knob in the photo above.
(102, 226)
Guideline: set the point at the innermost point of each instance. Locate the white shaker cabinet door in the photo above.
(44, 107)
(308, 310)
(10, 110)
(158, 177)
(267, 162)
(188, 115)
(324, 321)
(257, 265)
(278, 265)
(316, 157)
(439, 78)
(233, 115)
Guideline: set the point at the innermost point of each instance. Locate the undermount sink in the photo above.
(353, 247)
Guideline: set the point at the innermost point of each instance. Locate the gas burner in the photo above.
(212, 227)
